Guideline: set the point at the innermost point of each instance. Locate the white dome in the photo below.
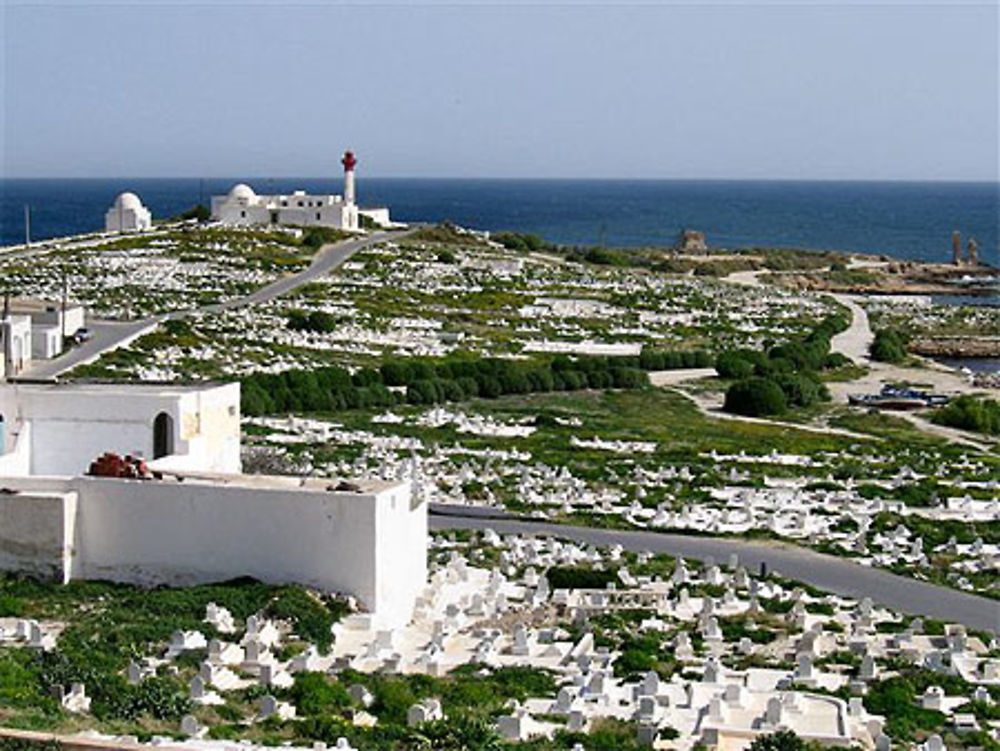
(242, 190)
(128, 201)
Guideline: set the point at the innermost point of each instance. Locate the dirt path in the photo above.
(854, 343)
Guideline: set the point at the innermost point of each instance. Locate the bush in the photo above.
(318, 320)
(896, 698)
(755, 397)
(781, 740)
(801, 390)
(315, 694)
(650, 359)
(970, 413)
(521, 242)
(566, 577)
(312, 618)
(733, 364)
(889, 345)
(430, 382)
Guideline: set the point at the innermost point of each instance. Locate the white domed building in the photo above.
(243, 207)
(127, 214)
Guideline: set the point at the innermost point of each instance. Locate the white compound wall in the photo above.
(372, 545)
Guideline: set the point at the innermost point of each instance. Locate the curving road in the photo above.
(838, 575)
(110, 335)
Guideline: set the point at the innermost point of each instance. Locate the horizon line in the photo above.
(987, 181)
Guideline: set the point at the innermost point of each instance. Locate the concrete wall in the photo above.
(46, 342)
(36, 533)
(370, 545)
(400, 551)
(378, 215)
(15, 449)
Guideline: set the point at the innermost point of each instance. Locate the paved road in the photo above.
(838, 575)
(326, 260)
(110, 335)
(106, 336)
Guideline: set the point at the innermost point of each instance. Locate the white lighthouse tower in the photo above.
(349, 163)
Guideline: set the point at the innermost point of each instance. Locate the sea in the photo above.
(905, 220)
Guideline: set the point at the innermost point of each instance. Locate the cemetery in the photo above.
(305, 604)
(533, 642)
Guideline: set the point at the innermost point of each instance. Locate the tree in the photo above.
(755, 397)
(781, 740)
(889, 345)
(732, 364)
(199, 212)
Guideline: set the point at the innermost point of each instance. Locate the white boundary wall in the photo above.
(370, 545)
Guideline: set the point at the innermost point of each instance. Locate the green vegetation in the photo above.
(787, 375)
(897, 699)
(754, 397)
(445, 233)
(782, 740)
(429, 382)
(653, 359)
(889, 346)
(522, 242)
(199, 212)
(315, 237)
(565, 577)
(109, 625)
(968, 412)
(316, 321)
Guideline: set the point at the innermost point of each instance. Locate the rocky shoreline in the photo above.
(956, 346)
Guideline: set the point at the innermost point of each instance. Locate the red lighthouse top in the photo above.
(349, 161)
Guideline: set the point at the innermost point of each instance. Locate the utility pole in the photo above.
(62, 316)
(27, 225)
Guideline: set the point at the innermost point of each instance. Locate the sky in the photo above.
(890, 91)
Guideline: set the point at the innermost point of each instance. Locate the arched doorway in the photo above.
(18, 354)
(163, 435)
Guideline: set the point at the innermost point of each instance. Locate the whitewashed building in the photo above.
(59, 429)
(244, 207)
(197, 519)
(15, 343)
(127, 214)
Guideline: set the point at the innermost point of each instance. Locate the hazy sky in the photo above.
(786, 90)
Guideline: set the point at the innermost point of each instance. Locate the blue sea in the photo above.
(900, 219)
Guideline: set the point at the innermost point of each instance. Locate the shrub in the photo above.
(733, 364)
(781, 740)
(755, 397)
(566, 577)
(315, 694)
(970, 413)
(889, 345)
(801, 390)
(318, 321)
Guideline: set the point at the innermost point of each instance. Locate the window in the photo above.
(317, 216)
(243, 214)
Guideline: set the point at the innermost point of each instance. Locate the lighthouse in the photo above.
(349, 162)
